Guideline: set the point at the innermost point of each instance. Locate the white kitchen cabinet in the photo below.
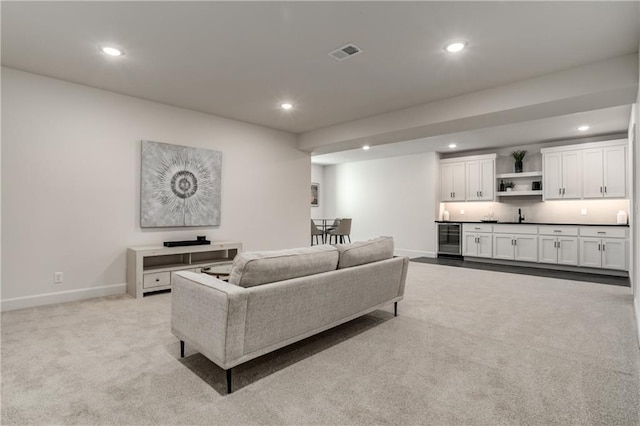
(558, 245)
(562, 175)
(515, 242)
(477, 240)
(480, 180)
(515, 247)
(468, 178)
(453, 181)
(604, 172)
(558, 250)
(603, 248)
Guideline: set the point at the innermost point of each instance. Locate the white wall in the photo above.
(71, 185)
(317, 176)
(391, 196)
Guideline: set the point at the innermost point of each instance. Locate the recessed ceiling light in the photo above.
(111, 51)
(455, 46)
(366, 147)
(452, 145)
(583, 128)
(286, 105)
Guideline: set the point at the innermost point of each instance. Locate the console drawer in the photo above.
(157, 279)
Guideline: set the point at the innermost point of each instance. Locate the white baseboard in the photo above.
(61, 297)
(414, 253)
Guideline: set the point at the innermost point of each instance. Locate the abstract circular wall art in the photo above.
(180, 186)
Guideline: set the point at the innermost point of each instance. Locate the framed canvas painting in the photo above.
(179, 186)
(314, 195)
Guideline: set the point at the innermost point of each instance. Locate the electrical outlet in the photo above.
(461, 211)
(58, 277)
(583, 212)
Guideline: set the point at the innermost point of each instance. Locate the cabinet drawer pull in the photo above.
(475, 227)
(602, 232)
(157, 280)
(557, 230)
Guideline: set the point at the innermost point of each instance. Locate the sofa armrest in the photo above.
(210, 315)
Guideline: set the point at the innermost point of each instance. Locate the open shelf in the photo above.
(517, 193)
(518, 175)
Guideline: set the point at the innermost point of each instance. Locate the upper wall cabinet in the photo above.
(468, 178)
(562, 175)
(604, 172)
(452, 178)
(591, 170)
(480, 180)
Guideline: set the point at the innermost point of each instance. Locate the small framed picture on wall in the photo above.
(314, 194)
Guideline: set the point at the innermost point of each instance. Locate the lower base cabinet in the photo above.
(607, 253)
(477, 244)
(558, 250)
(515, 247)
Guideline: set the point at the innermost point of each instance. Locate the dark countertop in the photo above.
(532, 223)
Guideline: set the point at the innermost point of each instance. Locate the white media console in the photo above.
(151, 268)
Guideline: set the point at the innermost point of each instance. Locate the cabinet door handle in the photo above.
(454, 195)
(605, 189)
(559, 191)
(554, 244)
(157, 280)
(603, 246)
(558, 244)
(481, 193)
(563, 190)
(599, 247)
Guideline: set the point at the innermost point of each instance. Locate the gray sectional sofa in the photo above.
(276, 298)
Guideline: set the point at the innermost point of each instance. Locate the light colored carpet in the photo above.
(469, 347)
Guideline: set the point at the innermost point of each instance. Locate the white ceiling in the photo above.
(601, 122)
(241, 59)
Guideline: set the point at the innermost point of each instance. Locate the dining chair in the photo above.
(316, 232)
(342, 230)
(329, 228)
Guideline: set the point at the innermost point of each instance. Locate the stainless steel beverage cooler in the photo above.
(449, 239)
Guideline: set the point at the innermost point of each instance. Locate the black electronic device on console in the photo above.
(201, 240)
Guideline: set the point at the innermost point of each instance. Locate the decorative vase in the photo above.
(510, 189)
(518, 167)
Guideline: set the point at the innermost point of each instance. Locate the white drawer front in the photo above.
(558, 230)
(603, 231)
(476, 227)
(515, 229)
(157, 279)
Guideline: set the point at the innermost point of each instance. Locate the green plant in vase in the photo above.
(518, 156)
(509, 186)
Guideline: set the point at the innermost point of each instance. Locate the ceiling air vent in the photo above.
(344, 52)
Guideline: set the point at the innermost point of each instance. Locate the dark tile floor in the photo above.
(550, 273)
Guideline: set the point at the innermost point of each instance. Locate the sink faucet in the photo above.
(520, 216)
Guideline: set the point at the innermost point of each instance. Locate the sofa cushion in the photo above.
(362, 252)
(261, 267)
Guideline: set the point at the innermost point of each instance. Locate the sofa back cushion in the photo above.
(362, 252)
(261, 267)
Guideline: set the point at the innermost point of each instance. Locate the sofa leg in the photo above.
(181, 348)
(229, 390)
(395, 309)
